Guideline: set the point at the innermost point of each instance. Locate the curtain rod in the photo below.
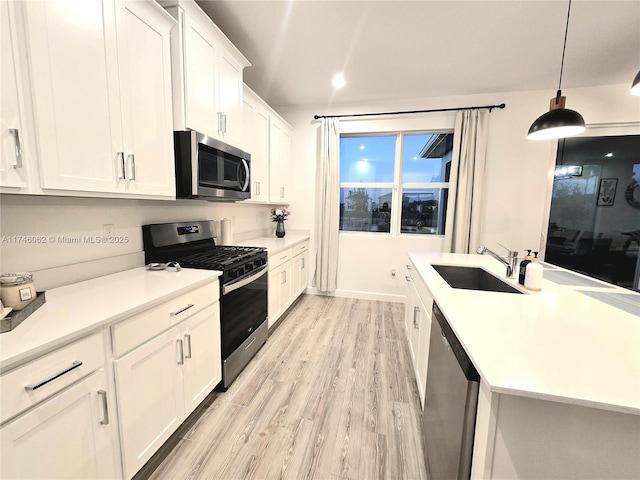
(490, 107)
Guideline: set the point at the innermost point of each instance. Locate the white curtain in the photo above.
(466, 181)
(328, 206)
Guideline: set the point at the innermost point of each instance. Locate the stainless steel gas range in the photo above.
(243, 285)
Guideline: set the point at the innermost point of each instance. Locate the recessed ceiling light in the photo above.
(338, 80)
(361, 147)
(415, 158)
(609, 155)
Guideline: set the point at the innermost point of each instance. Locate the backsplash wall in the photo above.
(44, 233)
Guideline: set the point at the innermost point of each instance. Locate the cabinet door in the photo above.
(67, 436)
(74, 76)
(200, 79)
(414, 324)
(256, 142)
(279, 162)
(150, 397)
(424, 320)
(145, 88)
(230, 98)
(300, 274)
(275, 303)
(203, 359)
(286, 285)
(12, 167)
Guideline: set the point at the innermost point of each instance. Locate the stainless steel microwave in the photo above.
(209, 169)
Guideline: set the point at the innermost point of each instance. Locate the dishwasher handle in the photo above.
(465, 362)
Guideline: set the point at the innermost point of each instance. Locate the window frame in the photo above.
(397, 186)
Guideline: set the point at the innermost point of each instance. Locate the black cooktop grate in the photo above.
(219, 257)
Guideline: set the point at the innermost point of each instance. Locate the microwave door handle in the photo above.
(194, 164)
(247, 180)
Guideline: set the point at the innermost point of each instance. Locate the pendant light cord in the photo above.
(564, 47)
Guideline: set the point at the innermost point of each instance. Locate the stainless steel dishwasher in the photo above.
(450, 404)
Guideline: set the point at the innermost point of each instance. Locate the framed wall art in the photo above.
(607, 192)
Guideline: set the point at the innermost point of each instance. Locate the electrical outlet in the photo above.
(108, 229)
(393, 273)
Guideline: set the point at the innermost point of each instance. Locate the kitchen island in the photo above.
(560, 371)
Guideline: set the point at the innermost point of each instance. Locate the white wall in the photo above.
(518, 179)
(49, 219)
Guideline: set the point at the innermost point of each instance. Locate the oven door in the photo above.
(243, 308)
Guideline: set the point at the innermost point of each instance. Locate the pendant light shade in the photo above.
(635, 86)
(558, 122)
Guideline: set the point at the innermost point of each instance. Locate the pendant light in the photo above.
(635, 86)
(558, 122)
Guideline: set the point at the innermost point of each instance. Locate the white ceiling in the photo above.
(397, 49)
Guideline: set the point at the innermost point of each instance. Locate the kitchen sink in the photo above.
(473, 278)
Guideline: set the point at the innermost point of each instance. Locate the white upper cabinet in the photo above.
(100, 74)
(256, 142)
(144, 54)
(280, 161)
(207, 75)
(12, 162)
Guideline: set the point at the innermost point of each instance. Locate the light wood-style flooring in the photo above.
(331, 396)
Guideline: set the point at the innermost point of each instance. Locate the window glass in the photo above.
(424, 210)
(426, 157)
(367, 159)
(365, 209)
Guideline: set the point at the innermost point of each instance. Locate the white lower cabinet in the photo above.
(58, 417)
(280, 290)
(418, 308)
(162, 381)
(288, 278)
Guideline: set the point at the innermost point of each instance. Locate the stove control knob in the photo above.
(233, 273)
(240, 271)
(258, 262)
(248, 267)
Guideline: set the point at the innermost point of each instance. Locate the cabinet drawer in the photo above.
(136, 330)
(300, 247)
(29, 384)
(276, 259)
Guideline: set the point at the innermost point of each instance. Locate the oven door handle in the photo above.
(245, 281)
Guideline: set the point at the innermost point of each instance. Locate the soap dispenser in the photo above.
(523, 267)
(533, 275)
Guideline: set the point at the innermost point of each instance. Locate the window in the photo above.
(395, 183)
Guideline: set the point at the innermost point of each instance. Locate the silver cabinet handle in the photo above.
(187, 339)
(224, 123)
(219, 122)
(408, 267)
(257, 188)
(408, 278)
(281, 192)
(132, 162)
(416, 311)
(181, 345)
(105, 408)
(123, 173)
(182, 310)
(73, 366)
(302, 266)
(16, 139)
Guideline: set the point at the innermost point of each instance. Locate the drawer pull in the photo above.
(408, 278)
(105, 408)
(408, 267)
(30, 388)
(174, 314)
(250, 343)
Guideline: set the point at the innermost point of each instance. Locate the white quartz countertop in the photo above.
(557, 344)
(274, 244)
(75, 310)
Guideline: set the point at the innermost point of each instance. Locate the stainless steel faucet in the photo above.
(511, 261)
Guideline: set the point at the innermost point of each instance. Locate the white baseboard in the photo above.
(381, 297)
